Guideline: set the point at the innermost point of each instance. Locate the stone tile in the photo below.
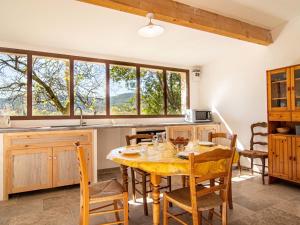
(270, 216)
(254, 203)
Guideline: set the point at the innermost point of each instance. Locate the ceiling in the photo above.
(265, 13)
(72, 27)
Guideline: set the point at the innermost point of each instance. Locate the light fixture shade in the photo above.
(151, 30)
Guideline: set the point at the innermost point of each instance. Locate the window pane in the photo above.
(152, 95)
(89, 88)
(13, 84)
(122, 90)
(50, 86)
(176, 92)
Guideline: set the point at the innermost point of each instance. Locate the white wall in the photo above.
(235, 84)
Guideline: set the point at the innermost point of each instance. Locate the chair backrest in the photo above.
(84, 184)
(231, 137)
(138, 136)
(259, 133)
(224, 157)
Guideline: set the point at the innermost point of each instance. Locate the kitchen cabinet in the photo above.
(40, 160)
(29, 169)
(181, 131)
(65, 165)
(201, 132)
(280, 155)
(295, 159)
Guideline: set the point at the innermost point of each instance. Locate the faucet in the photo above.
(81, 117)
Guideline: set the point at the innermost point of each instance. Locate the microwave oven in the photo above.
(197, 116)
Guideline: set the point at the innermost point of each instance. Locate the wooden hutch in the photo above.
(284, 111)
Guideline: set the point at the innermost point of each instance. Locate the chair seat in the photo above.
(105, 189)
(205, 202)
(254, 153)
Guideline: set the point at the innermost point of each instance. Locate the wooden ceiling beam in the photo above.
(188, 16)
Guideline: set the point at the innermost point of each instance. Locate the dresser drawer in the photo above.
(295, 116)
(280, 116)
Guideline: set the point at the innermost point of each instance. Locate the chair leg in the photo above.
(183, 179)
(165, 211)
(116, 208)
(252, 165)
(263, 160)
(230, 195)
(239, 165)
(169, 180)
(125, 207)
(144, 183)
(211, 214)
(133, 185)
(224, 213)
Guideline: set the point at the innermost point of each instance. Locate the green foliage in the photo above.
(174, 89)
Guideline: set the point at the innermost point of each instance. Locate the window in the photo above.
(123, 90)
(152, 91)
(13, 84)
(176, 92)
(89, 88)
(50, 86)
(39, 85)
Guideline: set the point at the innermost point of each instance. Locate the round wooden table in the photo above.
(160, 161)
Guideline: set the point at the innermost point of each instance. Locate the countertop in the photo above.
(96, 126)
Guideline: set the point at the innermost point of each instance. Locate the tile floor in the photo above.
(254, 203)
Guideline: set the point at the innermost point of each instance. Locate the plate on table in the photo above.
(206, 143)
(130, 151)
(185, 154)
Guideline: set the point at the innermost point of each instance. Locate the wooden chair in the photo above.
(98, 193)
(232, 138)
(196, 198)
(254, 154)
(145, 177)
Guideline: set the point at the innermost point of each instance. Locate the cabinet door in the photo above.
(65, 165)
(295, 86)
(29, 169)
(181, 131)
(280, 155)
(279, 90)
(296, 160)
(202, 131)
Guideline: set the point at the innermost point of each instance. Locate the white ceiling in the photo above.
(264, 13)
(69, 26)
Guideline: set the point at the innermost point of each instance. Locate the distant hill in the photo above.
(120, 99)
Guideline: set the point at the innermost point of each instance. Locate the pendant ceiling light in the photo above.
(150, 30)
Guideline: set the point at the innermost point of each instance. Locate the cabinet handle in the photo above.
(291, 158)
(54, 158)
(295, 159)
(50, 157)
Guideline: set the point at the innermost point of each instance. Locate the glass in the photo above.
(176, 92)
(278, 90)
(13, 84)
(50, 86)
(297, 87)
(89, 88)
(123, 90)
(152, 92)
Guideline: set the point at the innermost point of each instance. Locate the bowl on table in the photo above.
(283, 130)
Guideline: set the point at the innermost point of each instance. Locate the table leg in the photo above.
(125, 177)
(155, 181)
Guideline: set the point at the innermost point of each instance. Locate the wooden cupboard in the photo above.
(193, 132)
(39, 160)
(284, 111)
(29, 169)
(284, 94)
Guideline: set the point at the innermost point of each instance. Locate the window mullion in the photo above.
(29, 85)
(165, 92)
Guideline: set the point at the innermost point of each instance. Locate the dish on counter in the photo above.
(206, 143)
(130, 151)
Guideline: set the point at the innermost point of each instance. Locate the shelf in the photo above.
(297, 79)
(279, 81)
(279, 98)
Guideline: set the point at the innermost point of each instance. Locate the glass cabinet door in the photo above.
(295, 88)
(279, 89)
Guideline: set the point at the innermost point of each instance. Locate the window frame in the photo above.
(107, 63)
